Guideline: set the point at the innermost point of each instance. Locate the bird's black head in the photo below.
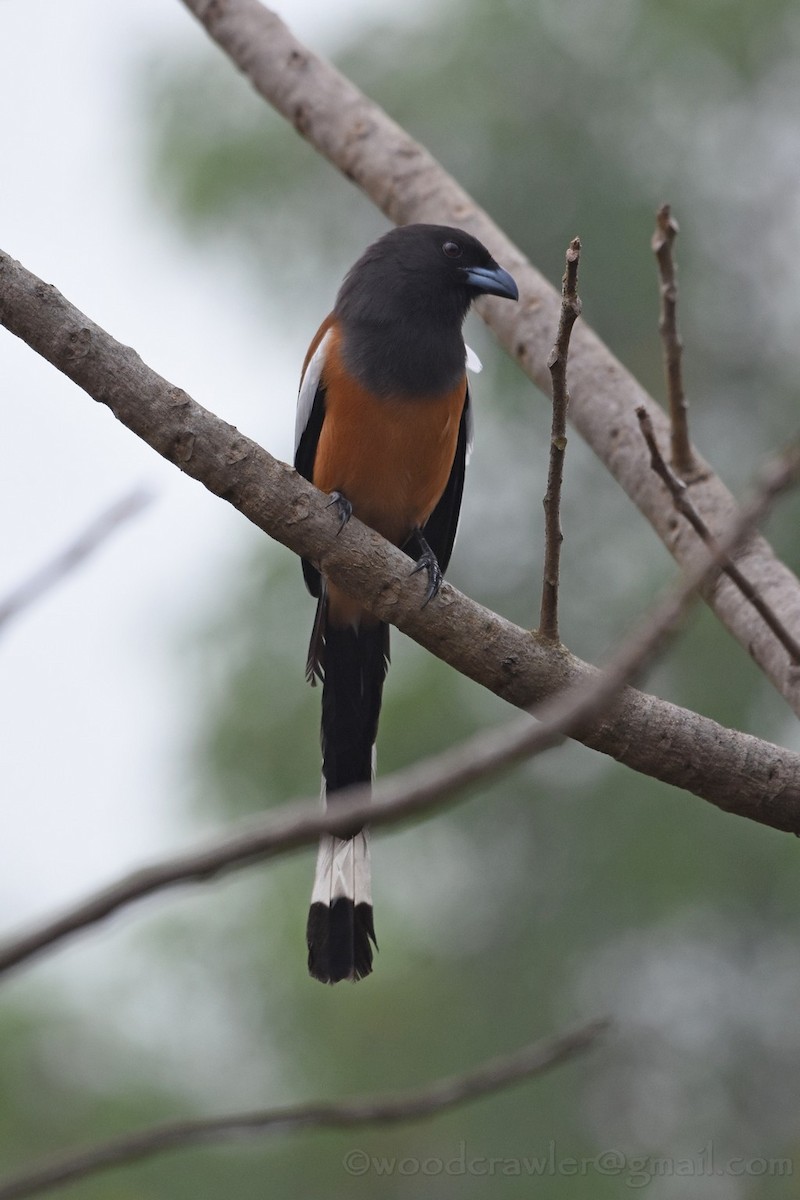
(432, 272)
(401, 307)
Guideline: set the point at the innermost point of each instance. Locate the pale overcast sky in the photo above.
(89, 708)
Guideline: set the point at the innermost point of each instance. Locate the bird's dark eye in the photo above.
(452, 249)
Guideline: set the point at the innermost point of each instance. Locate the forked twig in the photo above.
(678, 491)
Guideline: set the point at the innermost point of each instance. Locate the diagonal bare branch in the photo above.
(408, 184)
(429, 784)
(733, 770)
(491, 1077)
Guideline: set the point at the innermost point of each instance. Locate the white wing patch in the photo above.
(474, 364)
(470, 423)
(308, 388)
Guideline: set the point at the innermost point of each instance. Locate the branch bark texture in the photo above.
(733, 770)
(408, 184)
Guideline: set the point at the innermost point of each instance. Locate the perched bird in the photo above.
(384, 426)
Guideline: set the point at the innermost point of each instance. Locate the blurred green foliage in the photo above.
(569, 887)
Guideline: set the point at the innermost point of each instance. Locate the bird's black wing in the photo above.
(440, 528)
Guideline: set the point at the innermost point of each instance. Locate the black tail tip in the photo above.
(338, 937)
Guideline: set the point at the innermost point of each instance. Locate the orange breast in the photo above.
(391, 457)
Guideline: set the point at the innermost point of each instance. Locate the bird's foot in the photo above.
(343, 507)
(427, 561)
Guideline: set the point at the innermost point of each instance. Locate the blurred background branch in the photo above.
(72, 556)
(500, 1073)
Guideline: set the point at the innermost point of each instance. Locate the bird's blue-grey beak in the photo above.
(492, 281)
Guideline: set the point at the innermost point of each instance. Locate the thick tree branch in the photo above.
(737, 772)
(407, 183)
(491, 1077)
(429, 784)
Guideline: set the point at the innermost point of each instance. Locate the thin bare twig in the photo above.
(436, 781)
(681, 447)
(491, 1077)
(678, 491)
(557, 364)
(72, 556)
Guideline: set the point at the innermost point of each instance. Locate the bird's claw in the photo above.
(427, 561)
(343, 507)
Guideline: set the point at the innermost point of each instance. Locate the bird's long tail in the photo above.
(353, 663)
